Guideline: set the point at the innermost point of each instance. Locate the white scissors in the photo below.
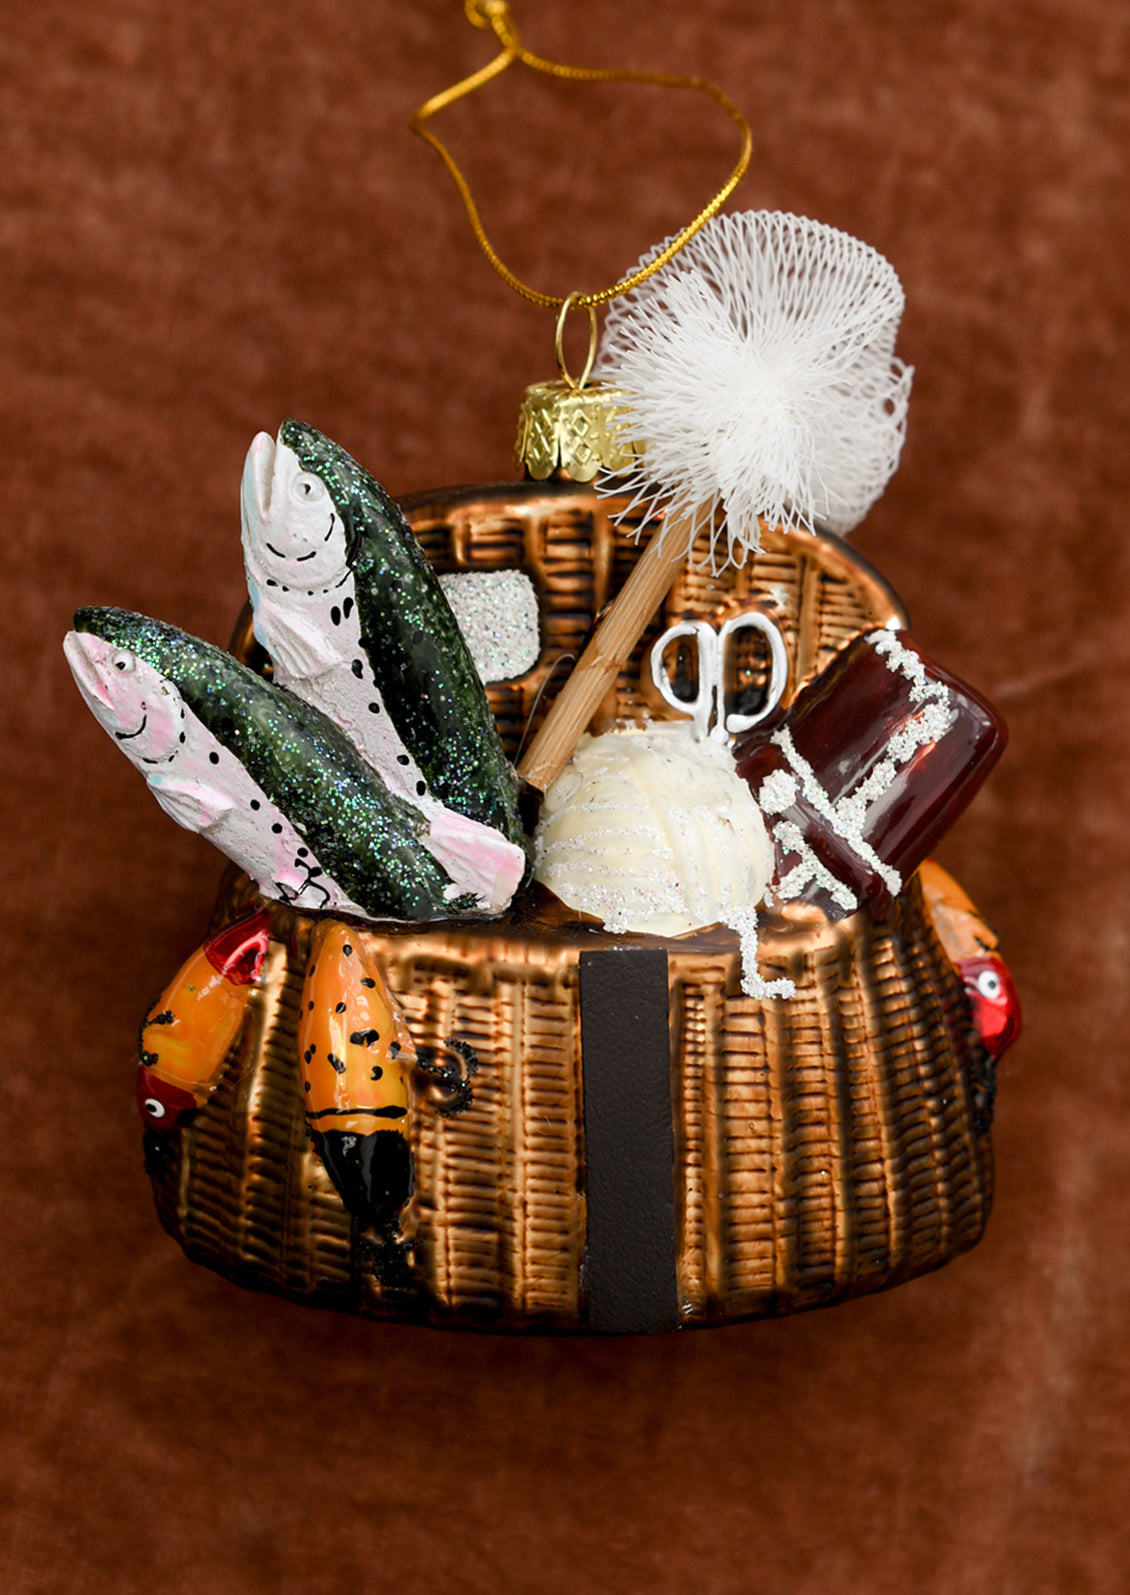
(709, 702)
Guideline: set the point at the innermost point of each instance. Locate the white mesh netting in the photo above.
(762, 378)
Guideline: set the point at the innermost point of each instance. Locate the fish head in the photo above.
(163, 1106)
(131, 700)
(993, 1000)
(294, 535)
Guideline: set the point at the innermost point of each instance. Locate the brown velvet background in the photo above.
(211, 217)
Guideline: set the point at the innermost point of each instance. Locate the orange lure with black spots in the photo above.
(185, 1039)
(356, 1057)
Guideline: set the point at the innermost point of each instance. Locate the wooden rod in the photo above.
(606, 655)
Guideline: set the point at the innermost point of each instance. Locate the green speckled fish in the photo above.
(356, 623)
(266, 777)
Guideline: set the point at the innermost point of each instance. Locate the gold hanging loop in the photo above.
(572, 426)
(495, 14)
(558, 346)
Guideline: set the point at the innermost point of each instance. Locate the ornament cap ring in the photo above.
(558, 343)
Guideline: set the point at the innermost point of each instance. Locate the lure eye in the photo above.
(155, 1109)
(989, 984)
(307, 488)
(123, 662)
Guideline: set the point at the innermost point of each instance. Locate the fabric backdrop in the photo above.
(211, 217)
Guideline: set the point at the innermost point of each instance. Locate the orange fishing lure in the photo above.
(971, 945)
(185, 1039)
(356, 1057)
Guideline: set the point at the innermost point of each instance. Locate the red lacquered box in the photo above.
(871, 765)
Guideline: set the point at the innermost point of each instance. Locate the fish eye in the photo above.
(123, 661)
(989, 984)
(307, 487)
(155, 1109)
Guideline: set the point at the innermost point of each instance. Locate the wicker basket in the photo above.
(807, 1150)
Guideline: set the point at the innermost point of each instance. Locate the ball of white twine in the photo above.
(761, 377)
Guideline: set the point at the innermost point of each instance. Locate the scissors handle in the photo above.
(754, 620)
(701, 706)
(709, 700)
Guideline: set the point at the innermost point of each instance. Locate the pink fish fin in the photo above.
(297, 646)
(193, 804)
(477, 858)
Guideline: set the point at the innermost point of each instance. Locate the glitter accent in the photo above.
(847, 816)
(753, 984)
(845, 824)
(902, 661)
(778, 792)
(367, 839)
(497, 611)
(414, 647)
(790, 839)
(929, 725)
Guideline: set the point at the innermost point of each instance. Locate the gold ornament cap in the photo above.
(564, 427)
(573, 426)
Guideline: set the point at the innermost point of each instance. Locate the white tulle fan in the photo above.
(761, 377)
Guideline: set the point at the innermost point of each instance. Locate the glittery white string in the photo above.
(847, 816)
(753, 983)
(847, 824)
(809, 871)
(902, 661)
(777, 793)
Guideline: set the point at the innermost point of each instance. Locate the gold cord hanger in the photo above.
(571, 426)
(495, 14)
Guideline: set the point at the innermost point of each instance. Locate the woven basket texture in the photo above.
(825, 1146)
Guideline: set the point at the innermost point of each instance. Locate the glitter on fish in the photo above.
(266, 777)
(356, 622)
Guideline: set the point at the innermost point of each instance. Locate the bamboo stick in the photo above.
(606, 655)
